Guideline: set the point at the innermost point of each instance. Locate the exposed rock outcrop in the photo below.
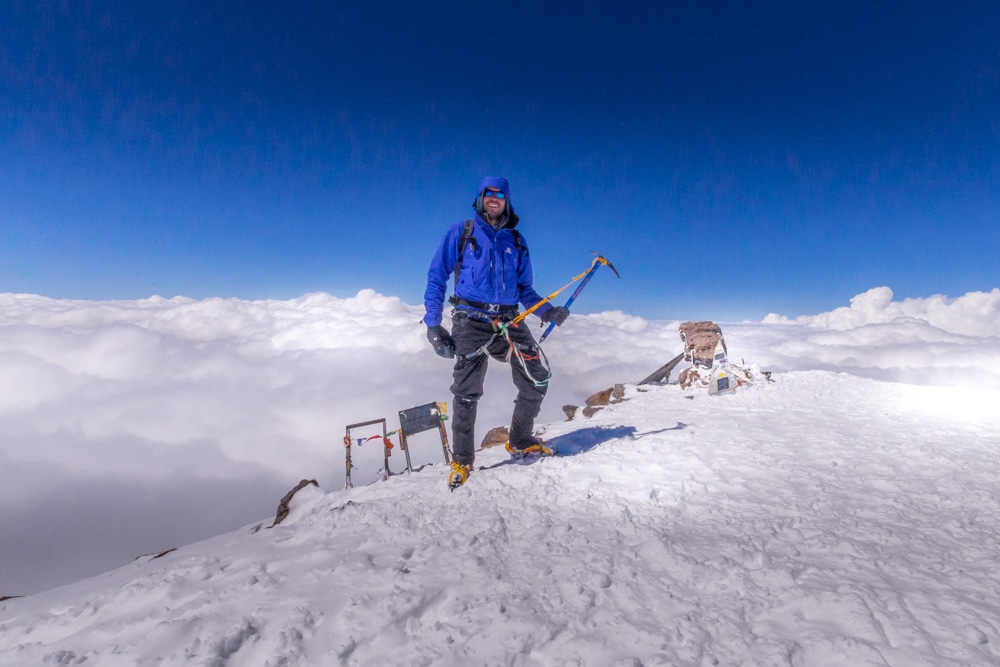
(283, 507)
(496, 436)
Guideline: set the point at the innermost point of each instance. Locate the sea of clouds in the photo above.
(129, 427)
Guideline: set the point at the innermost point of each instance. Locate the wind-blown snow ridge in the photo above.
(820, 520)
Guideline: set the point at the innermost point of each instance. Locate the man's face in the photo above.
(492, 204)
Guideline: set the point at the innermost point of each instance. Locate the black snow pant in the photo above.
(471, 334)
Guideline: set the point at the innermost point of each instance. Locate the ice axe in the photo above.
(600, 259)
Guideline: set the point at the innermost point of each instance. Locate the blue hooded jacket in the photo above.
(494, 270)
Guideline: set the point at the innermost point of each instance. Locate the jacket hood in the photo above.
(509, 218)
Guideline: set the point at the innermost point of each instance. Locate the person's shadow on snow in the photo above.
(584, 440)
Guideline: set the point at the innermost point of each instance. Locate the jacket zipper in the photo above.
(503, 271)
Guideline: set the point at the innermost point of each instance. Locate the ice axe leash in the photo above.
(598, 261)
(586, 274)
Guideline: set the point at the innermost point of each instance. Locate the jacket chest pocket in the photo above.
(508, 260)
(472, 271)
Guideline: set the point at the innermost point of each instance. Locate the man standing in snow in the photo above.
(492, 270)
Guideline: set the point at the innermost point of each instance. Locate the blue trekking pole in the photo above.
(590, 274)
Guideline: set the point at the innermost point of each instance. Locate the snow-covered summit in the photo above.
(821, 520)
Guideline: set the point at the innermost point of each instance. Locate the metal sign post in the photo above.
(423, 418)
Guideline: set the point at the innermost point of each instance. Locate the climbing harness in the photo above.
(522, 353)
(501, 327)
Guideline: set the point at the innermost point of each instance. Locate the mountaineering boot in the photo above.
(534, 449)
(457, 476)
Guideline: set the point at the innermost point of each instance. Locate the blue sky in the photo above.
(731, 160)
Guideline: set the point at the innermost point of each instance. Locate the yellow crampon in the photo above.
(457, 476)
(541, 449)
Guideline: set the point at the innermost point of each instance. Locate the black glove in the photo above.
(442, 341)
(557, 314)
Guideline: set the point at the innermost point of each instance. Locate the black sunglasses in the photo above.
(494, 193)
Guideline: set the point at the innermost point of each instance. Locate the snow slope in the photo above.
(822, 520)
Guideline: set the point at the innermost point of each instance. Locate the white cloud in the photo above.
(252, 396)
(973, 314)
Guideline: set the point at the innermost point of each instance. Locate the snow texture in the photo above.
(822, 520)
